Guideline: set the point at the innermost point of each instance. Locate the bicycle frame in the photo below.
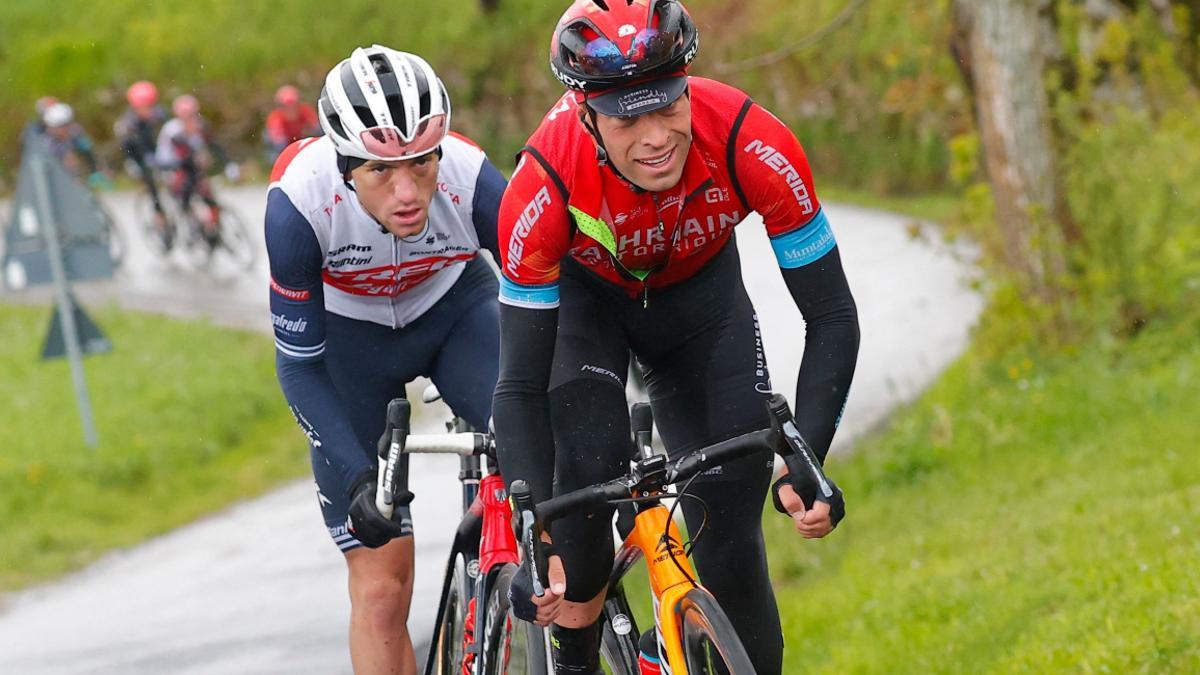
(487, 517)
(497, 543)
(668, 583)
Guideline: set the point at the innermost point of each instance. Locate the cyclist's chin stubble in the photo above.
(653, 181)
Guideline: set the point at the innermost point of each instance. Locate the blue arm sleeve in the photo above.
(485, 210)
(298, 315)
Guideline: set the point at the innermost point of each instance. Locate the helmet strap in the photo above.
(601, 150)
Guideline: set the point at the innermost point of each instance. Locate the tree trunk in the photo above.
(1013, 117)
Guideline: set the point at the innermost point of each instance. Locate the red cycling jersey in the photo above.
(562, 202)
(283, 128)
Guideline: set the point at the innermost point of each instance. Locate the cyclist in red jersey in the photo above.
(617, 236)
(291, 120)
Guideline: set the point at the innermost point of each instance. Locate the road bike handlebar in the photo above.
(650, 476)
(450, 444)
(398, 413)
(396, 441)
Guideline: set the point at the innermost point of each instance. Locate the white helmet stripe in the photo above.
(371, 90)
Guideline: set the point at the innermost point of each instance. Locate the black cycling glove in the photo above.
(520, 595)
(365, 521)
(520, 589)
(806, 488)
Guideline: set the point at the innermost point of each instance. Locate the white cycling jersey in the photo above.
(369, 274)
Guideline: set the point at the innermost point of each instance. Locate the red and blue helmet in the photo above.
(607, 45)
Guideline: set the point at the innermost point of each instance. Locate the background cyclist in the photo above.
(137, 130)
(617, 234)
(36, 126)
(71, 145)
(291, 120)
(187, 149)
(373, 233)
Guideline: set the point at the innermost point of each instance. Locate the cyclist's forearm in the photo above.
(830, 347)
(310, 394)
(521, 410)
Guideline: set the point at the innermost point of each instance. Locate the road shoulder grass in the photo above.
(190, 419)
(1030, 513)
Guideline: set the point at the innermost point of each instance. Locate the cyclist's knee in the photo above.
(381, 582)
(382, 603)
(585, 544)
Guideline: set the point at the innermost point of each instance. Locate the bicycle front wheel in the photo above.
(710, 645)
(511, 646)
(235, 238)
(449, 643)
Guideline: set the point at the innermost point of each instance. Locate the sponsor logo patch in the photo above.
(290, 293)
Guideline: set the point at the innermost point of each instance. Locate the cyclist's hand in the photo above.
(365, 521)
(814, 522)
(527, 606)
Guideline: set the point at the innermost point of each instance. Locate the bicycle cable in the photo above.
(666, 535)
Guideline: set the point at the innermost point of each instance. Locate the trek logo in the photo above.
(289, 325)
(779, 164)
(391, 280)
(290, 293)
(529, 216)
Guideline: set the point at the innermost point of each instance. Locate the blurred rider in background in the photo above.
(137, 130)
(291, 120)
(36, 126)
(187, 149)
(71, 145)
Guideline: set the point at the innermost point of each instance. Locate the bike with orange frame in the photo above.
(692, 633)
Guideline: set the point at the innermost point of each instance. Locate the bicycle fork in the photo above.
(671, 577)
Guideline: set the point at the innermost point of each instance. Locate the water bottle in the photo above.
(648, 653)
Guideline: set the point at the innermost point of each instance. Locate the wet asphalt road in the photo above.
(259, 588)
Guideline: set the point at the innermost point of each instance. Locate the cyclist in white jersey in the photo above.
(373, 232)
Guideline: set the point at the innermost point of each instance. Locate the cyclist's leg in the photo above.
(205, 192)
(467, 363)
(706, 386)
(369, 365)
(591, 427)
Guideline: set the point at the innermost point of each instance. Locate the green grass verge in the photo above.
(190, 419)
(1029, 514)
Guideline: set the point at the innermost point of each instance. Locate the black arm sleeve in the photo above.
(521, 407)
(830, 347)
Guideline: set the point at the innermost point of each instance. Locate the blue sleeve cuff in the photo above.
(805, 245)
(543, 296)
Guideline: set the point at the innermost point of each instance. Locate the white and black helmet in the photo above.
(58, 115)
(384, 104)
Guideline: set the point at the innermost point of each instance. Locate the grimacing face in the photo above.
(397, 193)
(649, 149)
